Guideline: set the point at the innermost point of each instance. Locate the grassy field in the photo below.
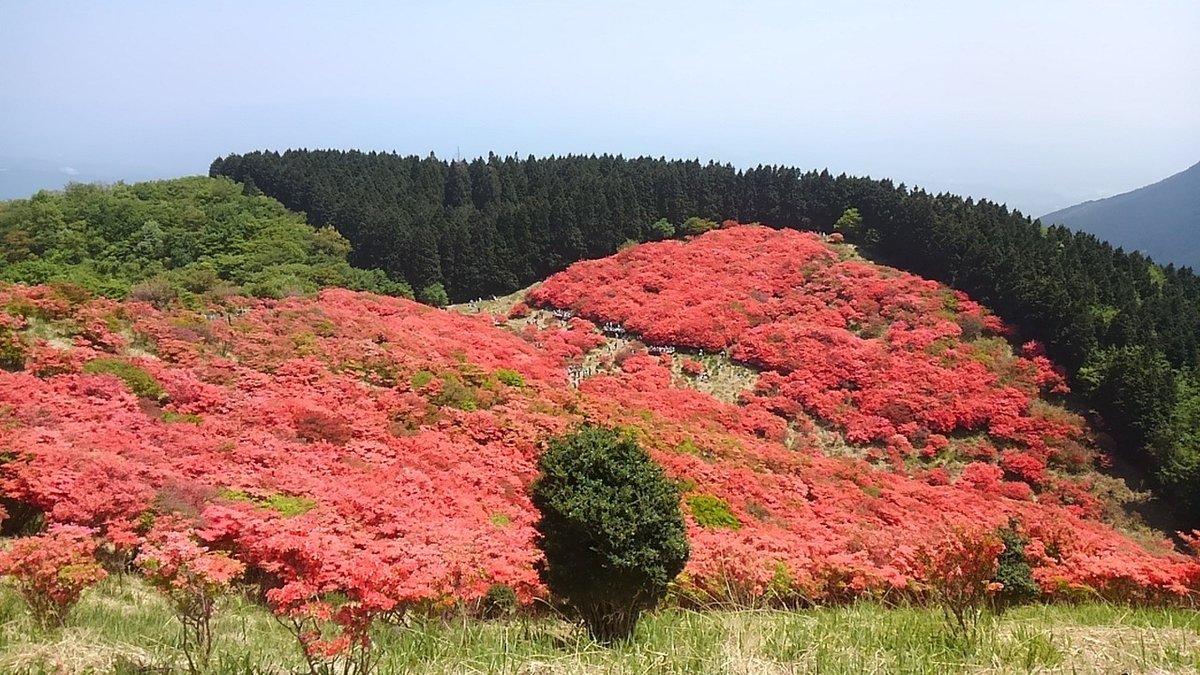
(121, 626)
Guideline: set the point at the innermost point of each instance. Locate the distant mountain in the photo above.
(1161, 220)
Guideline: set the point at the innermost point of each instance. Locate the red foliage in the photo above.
(958, 569)
(52, 570)
(419, 498)
(192, 577)
(872, 351)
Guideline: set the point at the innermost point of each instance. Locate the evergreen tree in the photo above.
(611, 529)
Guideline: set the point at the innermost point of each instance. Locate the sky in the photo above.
(1037, 104)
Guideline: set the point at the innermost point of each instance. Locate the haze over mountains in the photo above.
(1161, 220)
(21, 176)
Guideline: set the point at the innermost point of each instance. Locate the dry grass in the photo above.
(73, 651)
(122, 627)
(496, 305)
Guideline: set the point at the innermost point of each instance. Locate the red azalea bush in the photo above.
(958, 569)
(192, 577)
(52, 570)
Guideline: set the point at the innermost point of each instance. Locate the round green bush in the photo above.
(610, 529)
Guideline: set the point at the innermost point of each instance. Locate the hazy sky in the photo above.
(1039, 104)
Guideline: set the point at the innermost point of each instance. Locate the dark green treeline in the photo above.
(1128, 330)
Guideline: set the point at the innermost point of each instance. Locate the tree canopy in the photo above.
(192, 235)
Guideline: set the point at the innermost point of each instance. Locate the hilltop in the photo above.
(196, 238)
(1125, 329)
(1162, 220)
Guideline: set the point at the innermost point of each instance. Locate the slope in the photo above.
(1161, 220)
(1126, 330)
(379, 450)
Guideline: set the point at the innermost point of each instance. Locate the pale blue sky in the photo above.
(1039, 104)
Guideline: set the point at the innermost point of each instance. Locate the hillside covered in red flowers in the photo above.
(381, 449)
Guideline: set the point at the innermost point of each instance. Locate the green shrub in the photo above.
(849, 223)
(139, 381)
(499, 601)
(278, 286)
(456, 394)
(434, 294)
(710, 511)
(288, 506)
(420, 379)
(12, 351)
(510, 377)
(171, 417)
(610, 528)
(1013, 570)
(697, 225)
(660, 229)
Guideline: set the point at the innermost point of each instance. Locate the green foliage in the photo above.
(610, 528)
(278, 285)
(688, 447)
(139, 381)
(1178, 446)
(697, 225)
(1138, 384)
(710, 511)
(1013, 570)
(456, 394)
(420, 379)
(170, 417)
(434, 294)
(660, 229)
(186, 237)
(12, 350)
(288, 506)
(510, 377)
(849, 223)
(499, 601)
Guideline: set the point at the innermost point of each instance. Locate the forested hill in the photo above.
(196, 237)
(1126, 328)
(1162, 220)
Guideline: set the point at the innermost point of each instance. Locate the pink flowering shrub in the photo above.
(52, 570)
(192, 578)
(957, 570)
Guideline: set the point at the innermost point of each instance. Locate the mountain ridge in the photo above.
(1154, 219)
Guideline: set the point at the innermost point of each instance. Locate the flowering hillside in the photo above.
(381, 450)
(889, 359)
